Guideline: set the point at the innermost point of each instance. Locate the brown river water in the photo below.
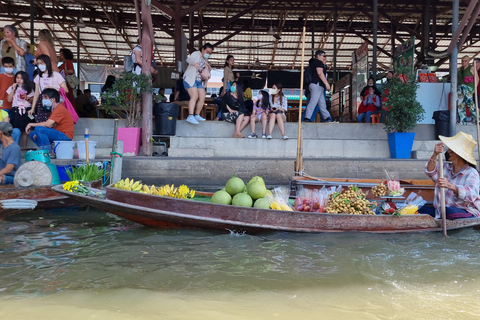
(73, 264)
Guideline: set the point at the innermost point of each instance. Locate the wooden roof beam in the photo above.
(116, 28)
(299, 41)
(279, 32)
(106, 46)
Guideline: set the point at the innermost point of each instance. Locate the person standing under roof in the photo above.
(318, 87)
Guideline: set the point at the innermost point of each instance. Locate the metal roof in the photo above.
(261, 34)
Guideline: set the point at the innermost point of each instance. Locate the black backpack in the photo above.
(307, 76)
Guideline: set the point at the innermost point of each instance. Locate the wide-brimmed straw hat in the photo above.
(462, 144)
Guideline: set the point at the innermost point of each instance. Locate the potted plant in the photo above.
(402, 111)
(124, 100)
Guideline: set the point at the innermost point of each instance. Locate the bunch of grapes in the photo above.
(350, 201)
(380, 190)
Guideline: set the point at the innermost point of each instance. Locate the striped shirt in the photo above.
(467, 182)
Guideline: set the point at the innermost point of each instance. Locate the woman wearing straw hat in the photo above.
(461, 180)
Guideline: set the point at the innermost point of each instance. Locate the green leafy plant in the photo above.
(403, 111)
(124, 98)
(89, 172)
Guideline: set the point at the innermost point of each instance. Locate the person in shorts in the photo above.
(11, 156)
(260, 113)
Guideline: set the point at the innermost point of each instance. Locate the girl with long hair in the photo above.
(260, 113)
(234, 109)
(278, 107)
(47, 47)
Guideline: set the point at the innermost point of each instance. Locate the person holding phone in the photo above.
(20, 94)
(278, 107)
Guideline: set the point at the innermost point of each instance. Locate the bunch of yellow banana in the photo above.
(129, 185)
(181, 192)
(280, 205)
(409, 209)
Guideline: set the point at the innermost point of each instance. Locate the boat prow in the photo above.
(165, 212)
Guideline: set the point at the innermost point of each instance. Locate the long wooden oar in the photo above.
(475, 77)
(299, 160)
(442, 195)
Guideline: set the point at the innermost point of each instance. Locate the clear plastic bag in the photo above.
(312, 200)
(393, 184)
(279, 199)
(412, 204)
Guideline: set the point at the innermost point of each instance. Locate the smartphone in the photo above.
(31, 116)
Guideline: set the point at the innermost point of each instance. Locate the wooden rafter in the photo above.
(117, 28)
(279, 32)
(106, 46)
(71, 34)
(350, 20)
(299, 43)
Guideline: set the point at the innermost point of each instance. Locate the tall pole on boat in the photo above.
(476, 104)
(299, 162)
(442, 195)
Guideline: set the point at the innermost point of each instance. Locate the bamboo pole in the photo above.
(299, 161)
(442, 195)
(476, 106)
(86, 145)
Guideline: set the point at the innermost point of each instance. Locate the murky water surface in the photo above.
(92, 265)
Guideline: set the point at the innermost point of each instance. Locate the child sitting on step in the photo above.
(260, 113)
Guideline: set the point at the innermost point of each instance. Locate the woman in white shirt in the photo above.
(195, 80)
(278, 107)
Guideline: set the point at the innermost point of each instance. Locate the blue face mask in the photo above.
(206, 56)
(47, 104)
(232, 89)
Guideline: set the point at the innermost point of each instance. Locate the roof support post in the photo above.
(375, 22)
(453, 71)
(178, 36)
(78, 52)
(147, 41)
(426, 32)
(335, 20)
(32, 23)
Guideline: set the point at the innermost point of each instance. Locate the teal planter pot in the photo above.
(400, 144)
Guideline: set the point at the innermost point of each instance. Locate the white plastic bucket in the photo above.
(64, 149)
(92, 146)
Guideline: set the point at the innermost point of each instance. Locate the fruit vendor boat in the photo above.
(165, 212)
(45, 197)
(423, 188)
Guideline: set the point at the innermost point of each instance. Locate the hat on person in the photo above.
(462, 144)
(6, 127)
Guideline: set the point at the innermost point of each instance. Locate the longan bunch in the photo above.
(350, 201)
(380, 190)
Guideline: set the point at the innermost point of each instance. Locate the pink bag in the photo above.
(69, 106)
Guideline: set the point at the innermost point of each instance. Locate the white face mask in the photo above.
(8, 70)
(259, 96)
(42, 67)
(273, 91)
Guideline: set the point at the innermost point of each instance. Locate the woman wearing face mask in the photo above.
(465, 91)
(234, 109)
(47, 47)
(12, 46)
(278, 107)
(228, 76)
(195, 80)
(46, 79)
(260, 113)
(370, 83)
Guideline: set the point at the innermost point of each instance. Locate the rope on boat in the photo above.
(113, 154)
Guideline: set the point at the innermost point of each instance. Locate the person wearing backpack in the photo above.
(136, 57)
(317, 87)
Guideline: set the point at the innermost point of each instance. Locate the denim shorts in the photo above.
(8, 180)
(197, 84)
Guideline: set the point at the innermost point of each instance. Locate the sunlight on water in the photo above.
(91, 265)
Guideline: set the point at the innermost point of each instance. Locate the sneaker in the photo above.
(264, 135)
(306, 120)
(191, 119)
(238, 136)
(199, 118)
(269, 136)
(285, 138)
(329, 119)
(253, 135)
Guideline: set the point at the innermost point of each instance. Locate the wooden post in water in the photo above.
(86, 136)
(116, 170)
(299, 161)
(442, 195)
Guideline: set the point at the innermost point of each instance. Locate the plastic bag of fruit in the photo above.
(412, 204)
(312, 200)
(279, 199)
(393, 184)
(389, 208)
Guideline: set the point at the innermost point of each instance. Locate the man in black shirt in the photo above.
(318, 87)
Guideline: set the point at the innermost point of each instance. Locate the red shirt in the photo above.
(63, 120)
(5, 83)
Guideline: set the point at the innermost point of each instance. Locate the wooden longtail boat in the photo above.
(165, 212)
(424, 188)
(44, 195)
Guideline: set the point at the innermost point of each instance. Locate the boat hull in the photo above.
(164, 212)
(44, 195)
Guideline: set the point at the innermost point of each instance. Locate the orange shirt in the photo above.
(63, 120)
(5, 83)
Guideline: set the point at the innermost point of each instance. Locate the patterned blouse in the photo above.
(467, 182)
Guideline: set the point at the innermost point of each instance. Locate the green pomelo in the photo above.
(255, 179)
(256, 190)
(234, 185)
(221, 197)
(269, 193)
(262, 203)
(242, 200)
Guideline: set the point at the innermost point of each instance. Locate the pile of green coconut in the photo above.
(238, 194)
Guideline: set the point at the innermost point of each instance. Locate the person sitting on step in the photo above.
(43, 133)
(11, 155)
(369, 106)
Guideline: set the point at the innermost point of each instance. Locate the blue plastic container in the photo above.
(62, 172)
(400, 144)
(39, 155)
